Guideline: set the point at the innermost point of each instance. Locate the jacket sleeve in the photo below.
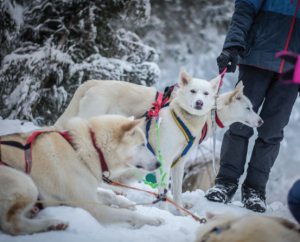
(242, 19)
(294, 200)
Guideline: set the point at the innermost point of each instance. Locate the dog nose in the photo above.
(199, 103)
(260, 122)
(157, 164)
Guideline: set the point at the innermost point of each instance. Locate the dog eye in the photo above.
(248, 109)
(206, 93)
(143, 145)
(193, 91)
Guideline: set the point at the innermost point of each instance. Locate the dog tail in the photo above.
(73, 107)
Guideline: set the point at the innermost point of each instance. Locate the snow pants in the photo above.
(264, 89)
(294, 200)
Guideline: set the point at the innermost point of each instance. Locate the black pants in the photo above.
(262, 87)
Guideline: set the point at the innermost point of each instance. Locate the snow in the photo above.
(15, 11)
(83, 227)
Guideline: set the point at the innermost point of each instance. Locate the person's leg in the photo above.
(235, 141)
(275, 112)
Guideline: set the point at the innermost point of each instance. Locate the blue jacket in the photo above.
(261, 28)
(294, 200)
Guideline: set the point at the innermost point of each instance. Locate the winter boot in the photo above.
(254, 198)
(223, 190)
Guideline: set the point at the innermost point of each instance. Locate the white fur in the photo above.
(62, 173)
(135, 100)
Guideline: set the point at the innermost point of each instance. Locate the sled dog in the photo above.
(191, 104)
(233, 107)
(250, 228)
(102, 97)
(94, 98)
(72, 171)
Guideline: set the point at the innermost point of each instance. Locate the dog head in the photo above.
(123, 144)
(133, 147)
(241, 108)
(196, 96)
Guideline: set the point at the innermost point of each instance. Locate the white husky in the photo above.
(102, 97)
(191, 105)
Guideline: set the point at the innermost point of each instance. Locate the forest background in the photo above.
(49, 47)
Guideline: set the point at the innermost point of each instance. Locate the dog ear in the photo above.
(215, 83)
(240, 93)
(239, 86)
(128, 129)
(184, 77)
(210, 215)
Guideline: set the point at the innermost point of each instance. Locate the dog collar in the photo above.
(103, 163)
(218, 121)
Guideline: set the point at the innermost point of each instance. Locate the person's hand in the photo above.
(229, 55)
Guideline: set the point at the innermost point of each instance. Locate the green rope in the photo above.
(162, 183)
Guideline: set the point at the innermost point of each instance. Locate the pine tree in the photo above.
(49, 47)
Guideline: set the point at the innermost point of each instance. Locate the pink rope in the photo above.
(222, 75)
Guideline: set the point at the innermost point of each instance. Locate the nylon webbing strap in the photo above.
(189, 137)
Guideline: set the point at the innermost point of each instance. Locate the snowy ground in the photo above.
(83, 227)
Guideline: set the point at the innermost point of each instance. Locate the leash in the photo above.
(159, 197)
(213, 118)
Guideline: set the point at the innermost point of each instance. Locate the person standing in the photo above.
(258, 30)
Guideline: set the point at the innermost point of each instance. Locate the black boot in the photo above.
(223, 190)
(254, 198)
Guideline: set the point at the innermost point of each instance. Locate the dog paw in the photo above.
(58, 225)
(119, 191)
(155, 221)
(187, 205)
(181, 212)
(32, 212)
(125, 203)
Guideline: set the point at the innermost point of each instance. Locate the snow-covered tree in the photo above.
(49, 47)
(178, 28)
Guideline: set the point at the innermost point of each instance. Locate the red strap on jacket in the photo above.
(290, 33)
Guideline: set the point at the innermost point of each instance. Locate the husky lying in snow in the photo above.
(63, 171)
(102, 97)
(229, 228)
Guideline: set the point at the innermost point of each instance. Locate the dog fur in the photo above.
(192, 102)
(94, 98)
(63, 173)
(250, 228)
(124, 98)
(234, 107)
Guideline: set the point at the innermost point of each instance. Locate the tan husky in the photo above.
(252, 228)
(191, 104)
(63, 171)
(104, 97)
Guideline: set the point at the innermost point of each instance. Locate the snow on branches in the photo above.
(49, 47)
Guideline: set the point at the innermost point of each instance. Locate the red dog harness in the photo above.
(28, 148)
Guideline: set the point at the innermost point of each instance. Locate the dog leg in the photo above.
(15, 221)
(163, 205)
(109, 215)
(115, 189)
(110, 198)
(177, 176)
